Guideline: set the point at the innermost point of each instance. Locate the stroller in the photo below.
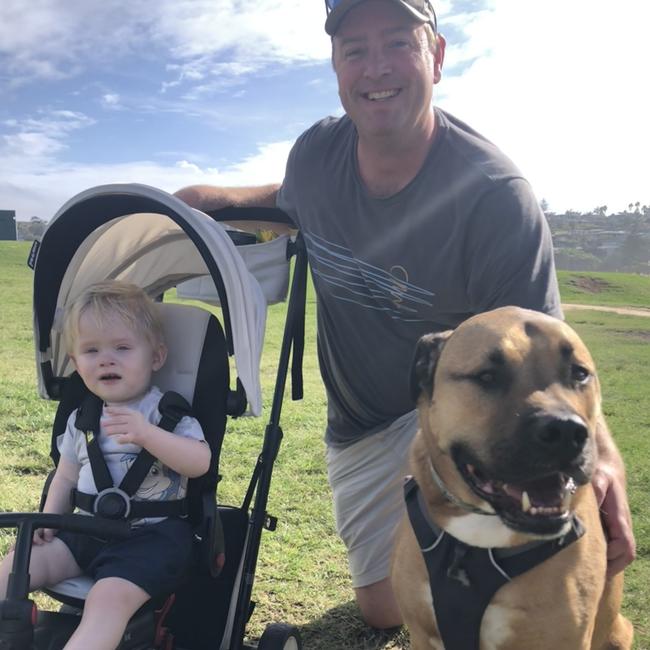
(147, 237)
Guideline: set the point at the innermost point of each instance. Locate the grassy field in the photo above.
(609, 289)
(302, 577)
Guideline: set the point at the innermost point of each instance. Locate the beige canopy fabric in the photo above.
(153, 251)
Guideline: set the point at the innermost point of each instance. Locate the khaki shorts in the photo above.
(367, 485)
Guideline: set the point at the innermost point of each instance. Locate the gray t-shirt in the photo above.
(465, 236)
(160, 484)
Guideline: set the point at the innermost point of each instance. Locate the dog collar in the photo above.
(453, 498)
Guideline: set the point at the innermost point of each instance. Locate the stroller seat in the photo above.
(196, 368)
(142, 235)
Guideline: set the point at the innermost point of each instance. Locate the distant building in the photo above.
(8, 225)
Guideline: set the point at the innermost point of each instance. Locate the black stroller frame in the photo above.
(21, 627)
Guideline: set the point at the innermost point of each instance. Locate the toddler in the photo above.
(114, 338)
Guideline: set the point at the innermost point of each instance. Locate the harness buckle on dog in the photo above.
(456, 571)
(112, 503)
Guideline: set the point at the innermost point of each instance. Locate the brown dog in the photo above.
(509, 403)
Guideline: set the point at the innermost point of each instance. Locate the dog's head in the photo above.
(510, 401)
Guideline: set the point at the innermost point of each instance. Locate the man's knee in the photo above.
(378, 605)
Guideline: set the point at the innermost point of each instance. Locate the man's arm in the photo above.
(210, 197)
(610, 486)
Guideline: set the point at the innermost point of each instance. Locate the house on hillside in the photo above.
(8, 225)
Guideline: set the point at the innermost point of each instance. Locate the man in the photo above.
(413, 222)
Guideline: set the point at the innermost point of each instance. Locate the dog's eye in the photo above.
(487, 378)
(579, 374)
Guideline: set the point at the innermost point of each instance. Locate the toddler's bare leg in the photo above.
(50, 563)
(109, 606)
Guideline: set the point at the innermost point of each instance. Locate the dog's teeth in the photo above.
(571, 486)
(566, 501)
(525, 502)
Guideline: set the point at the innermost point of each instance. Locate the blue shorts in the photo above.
(156, 557)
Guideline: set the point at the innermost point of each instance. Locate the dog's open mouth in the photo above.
(539, 505)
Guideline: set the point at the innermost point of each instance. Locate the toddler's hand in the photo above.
(125, 424)
(42, 536)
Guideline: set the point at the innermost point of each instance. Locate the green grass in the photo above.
(302, 574)
(610, 289)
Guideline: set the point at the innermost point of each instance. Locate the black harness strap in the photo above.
(464, 578)
(172, 408)
(87, 421)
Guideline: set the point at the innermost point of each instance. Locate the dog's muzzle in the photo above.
(533, 474)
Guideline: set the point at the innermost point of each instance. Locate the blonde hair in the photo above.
(111, 298)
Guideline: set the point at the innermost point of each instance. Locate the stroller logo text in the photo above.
(33, 254)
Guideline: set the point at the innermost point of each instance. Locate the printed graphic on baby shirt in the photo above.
(160, 484)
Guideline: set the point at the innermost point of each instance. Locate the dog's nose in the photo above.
(562, 436)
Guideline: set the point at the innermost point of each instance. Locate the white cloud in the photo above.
(29, 145)
(38, 138)
(561, 89)
(55, 39)
(42, 190)
(52, 39)
(265, 166)
(253, 36)
(111, 101)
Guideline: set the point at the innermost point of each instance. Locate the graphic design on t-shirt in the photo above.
(160, 484)
(372, 287)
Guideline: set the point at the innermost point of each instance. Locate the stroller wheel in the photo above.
(279, 636)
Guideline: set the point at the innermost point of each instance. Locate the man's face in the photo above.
(386, 70)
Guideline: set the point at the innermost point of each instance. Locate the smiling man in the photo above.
(413, 222)
(386, 64)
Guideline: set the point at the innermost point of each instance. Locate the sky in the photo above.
(175, 92)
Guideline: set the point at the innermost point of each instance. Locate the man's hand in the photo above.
(126, 425)
(609, 486)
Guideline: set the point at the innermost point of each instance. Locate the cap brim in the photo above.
(336, 16)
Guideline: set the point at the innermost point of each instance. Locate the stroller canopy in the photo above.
(142, 235)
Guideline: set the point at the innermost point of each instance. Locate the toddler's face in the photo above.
(114, 361)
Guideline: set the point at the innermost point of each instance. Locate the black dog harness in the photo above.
(116, 502)
(464, 578)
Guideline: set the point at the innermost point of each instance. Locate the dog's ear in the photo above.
(425, 359)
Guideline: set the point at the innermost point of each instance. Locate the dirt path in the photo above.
(629, 311)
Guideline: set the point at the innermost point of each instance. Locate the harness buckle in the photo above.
(112, 503)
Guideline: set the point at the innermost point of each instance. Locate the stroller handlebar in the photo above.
(83, 524)
(27, 522)
(232, 213)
